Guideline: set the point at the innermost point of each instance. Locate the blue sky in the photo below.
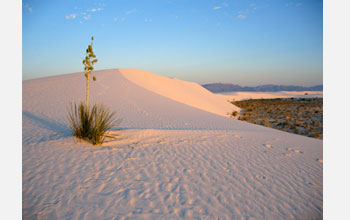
(241, 42)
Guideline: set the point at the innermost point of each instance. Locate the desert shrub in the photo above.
(91, 124)
(242, 118)
(287, 122)
(266, 122)
(297, 115)
(317, 135)
(234, 113)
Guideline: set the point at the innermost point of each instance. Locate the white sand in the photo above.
(271, 95)
(173, 160)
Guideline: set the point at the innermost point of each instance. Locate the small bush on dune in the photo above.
(91, 124)
(234, 113)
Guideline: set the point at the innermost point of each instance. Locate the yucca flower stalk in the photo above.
(88, 67)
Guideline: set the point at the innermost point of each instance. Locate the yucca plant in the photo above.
(91, 124)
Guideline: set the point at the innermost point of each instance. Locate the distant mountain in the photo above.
(227, 87)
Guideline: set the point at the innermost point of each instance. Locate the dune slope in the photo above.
(189, 93)
(173, 160)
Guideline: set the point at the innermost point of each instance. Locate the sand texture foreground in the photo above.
(173, 159)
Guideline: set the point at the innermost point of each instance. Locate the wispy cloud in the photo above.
(291, 4)
(148, 20)
(131, 11)
(87, 17)
(253, 6)
(71, 16)
(28, 8)
(223, 5)
(122, 19)
(95, 9)
(241, 16)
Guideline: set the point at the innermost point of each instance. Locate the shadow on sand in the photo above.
(57, 129)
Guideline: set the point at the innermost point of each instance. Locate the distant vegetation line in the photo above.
(228, 87)
(302, 116)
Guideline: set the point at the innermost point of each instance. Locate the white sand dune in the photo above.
(178, 157)
(189, 93)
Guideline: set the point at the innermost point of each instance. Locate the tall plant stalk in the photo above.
(88, 67)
